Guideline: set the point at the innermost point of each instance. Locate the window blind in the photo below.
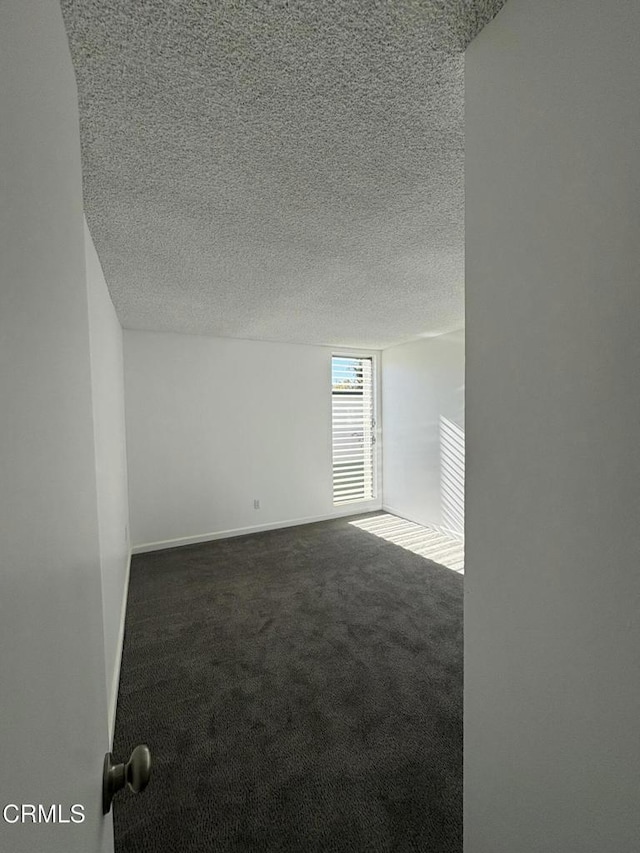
(353, 428)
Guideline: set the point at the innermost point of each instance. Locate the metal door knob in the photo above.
(135, 773)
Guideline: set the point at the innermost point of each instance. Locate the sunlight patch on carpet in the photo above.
(428, 542)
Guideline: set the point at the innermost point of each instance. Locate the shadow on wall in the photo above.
(452, 475)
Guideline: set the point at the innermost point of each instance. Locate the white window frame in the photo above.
(374, 502)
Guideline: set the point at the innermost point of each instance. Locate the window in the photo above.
(353, 428)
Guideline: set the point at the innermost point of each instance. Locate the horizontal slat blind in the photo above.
(352, 428)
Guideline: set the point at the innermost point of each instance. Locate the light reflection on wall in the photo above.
(452, 475)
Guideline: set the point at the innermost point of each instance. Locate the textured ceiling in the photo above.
(287, 170)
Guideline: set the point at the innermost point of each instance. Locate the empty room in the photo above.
(318, 453)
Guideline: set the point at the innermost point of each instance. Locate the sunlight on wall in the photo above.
(425, 541)
(452, 475)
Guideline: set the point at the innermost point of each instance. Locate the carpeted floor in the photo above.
(300, 690)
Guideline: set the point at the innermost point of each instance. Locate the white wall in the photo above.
(423, 425)
(107, 374)
(552, 587)
(213, 423)
(52, 670)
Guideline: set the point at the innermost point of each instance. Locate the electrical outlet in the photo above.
(256, 503)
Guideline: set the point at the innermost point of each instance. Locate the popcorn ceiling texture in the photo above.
(287, 170)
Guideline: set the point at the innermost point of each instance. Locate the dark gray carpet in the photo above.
(300, 690)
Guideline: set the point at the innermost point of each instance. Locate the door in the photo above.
(53, 703)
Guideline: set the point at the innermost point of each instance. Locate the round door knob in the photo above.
(135, 773)
(138, 768)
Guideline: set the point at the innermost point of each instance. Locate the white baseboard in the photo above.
(353, 509)
(453, 534)
(115, 684)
